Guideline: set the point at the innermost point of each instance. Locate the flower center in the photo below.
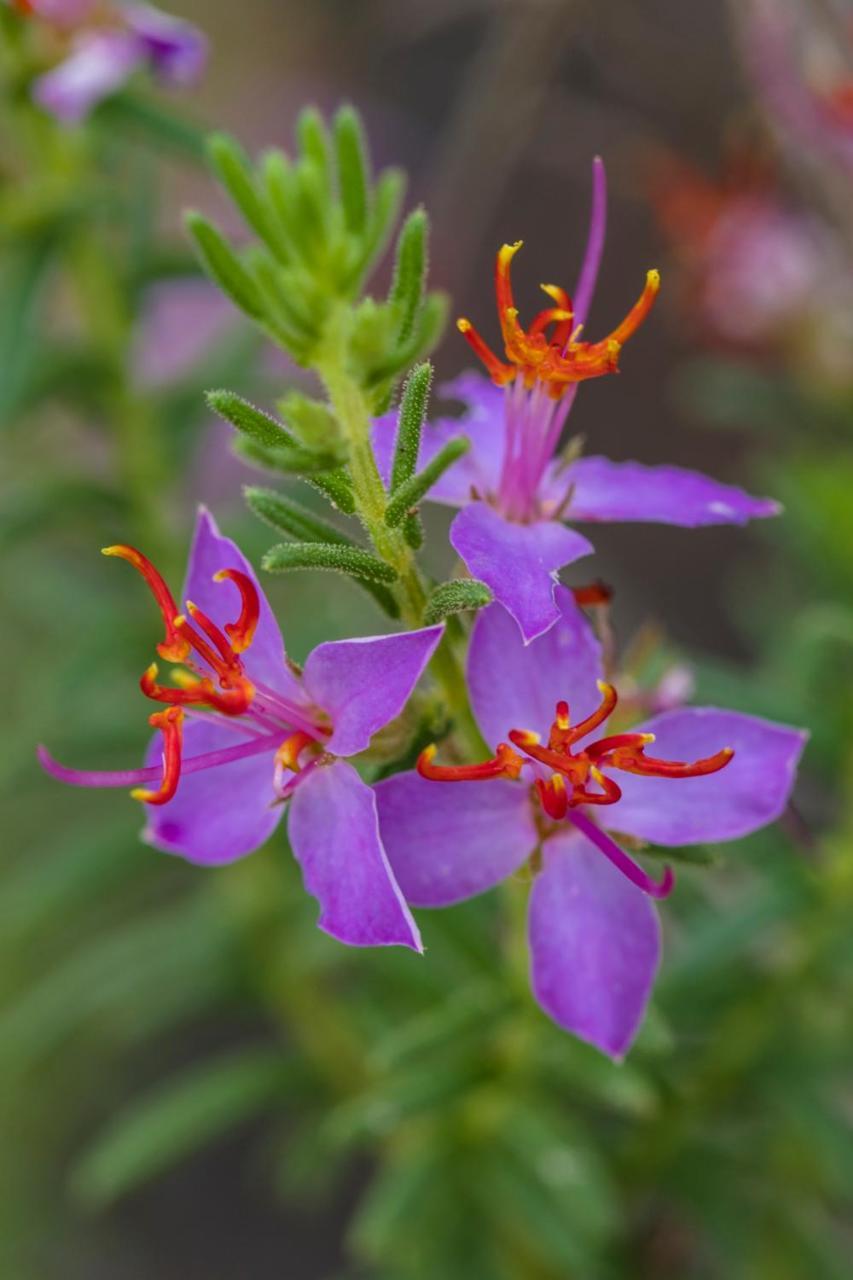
(576, 776)
(211, 681)
(555, 360)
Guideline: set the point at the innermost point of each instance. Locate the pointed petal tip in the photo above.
(412, 941)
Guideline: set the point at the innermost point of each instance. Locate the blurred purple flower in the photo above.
(181, 320)
(515, 493)
(106, 47)
(593, 932)
(260, 732)
(776, 50)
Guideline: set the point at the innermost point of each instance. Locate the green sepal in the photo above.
(353, 169)
(290, 517)
(427, 331)
(410, 268)
(411, 492)
(456, 596)
(323, 555)
(410, 421)
(235, 172)
(311, 421)
(224, 267)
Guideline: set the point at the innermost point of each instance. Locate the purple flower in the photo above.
(106, 49)
(245, 730)
(593, 931)
(514, 492)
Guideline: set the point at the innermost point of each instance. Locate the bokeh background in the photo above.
(196, 1083)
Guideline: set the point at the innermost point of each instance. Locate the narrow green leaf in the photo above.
(335, 486)
(413, 531)
(387, 201)
(224, 267)
(410, 268)
(310, 420)
(314, 141)
(456, 597)
(234, 170)
(295, 461)
(172, 1121)
(418, 485)
(410, 421)
(323, 555)
(254, 423)
(292, 518)
(353, 169)
(285, 193)
(288, 325)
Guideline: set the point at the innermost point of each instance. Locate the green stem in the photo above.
(352, 410)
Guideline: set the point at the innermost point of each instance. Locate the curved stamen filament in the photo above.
(233, 701)
(242, 632)
(609, 698)
(650, 767)
(506, 764)
(175, 647)
(170, 724)
(227, 660)
(499, 372)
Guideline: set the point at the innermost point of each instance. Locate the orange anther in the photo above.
(287, 755)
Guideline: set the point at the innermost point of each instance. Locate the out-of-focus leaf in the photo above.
(178, 1117)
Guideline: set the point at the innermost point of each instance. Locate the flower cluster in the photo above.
(572, 789)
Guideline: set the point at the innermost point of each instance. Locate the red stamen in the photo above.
(551, 315)
(228, 670)
(609, 698)
(562, 360)
(228, 660)
(650, 767)
(170, 724)
(638, 312)
(233, 701)
(506, 764)
(604, 746)
(499, 372)
(242, 632)
(174, 648)
(609, 794)
(554, 797)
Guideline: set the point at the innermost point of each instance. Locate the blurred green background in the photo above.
(194, 1082)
